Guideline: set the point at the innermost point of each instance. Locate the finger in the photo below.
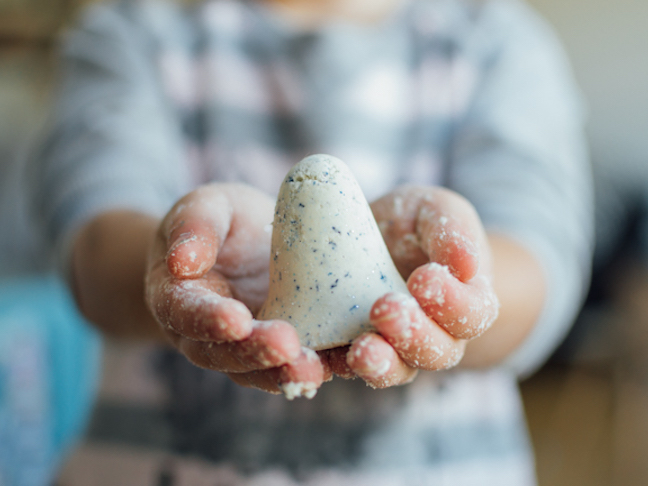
(328, 371)
(246, 250)
(337, 361)
(374, 360)
(464, 310)
(422, 224)
(194, 230)
(224, 224)
(196, 309)
(418, 340)
(451, 234)
(301, 377)
(264, 380)
(271, 344)
(397, 215)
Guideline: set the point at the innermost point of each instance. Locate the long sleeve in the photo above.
(520, 157)
(112, 142)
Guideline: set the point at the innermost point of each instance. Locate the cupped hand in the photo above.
(208, 275)
(439, 245)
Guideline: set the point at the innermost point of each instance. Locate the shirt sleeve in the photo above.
(112, 141)
(520, 157)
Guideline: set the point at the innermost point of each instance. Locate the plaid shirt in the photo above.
(475, 96)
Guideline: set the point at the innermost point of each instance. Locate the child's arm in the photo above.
(457, 294)
(438, 242)
(195, 270)
(110, 168)
(518, 155)
(520, 284)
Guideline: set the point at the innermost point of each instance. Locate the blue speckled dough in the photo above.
(329, 262)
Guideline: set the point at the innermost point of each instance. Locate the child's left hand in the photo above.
(439, 245)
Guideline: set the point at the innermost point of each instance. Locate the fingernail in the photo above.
(181, 239)
(364, 358)
(392, 306)
(379, 369)
(393, 315)
(428, 283)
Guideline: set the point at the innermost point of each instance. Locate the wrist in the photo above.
(520, 285)
(108, 266)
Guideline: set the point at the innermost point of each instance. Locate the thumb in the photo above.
(451, 234)
(194, 231)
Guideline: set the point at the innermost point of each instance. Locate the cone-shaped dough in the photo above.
(329, 262)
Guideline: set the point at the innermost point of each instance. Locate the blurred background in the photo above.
(587, 408)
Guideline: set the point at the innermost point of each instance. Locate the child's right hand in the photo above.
(208, 274)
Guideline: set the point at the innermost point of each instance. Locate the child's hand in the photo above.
(208, 274)
(438, 243)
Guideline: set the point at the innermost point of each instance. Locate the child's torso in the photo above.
(255, 95)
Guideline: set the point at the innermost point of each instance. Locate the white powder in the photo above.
(398, 206)
(383, 368)
(294, 390)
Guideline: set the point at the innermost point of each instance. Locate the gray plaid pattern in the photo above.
(477, 96)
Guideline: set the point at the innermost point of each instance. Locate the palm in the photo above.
(439, 245)
(208, 274)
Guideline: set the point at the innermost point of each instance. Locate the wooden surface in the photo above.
(570, 418)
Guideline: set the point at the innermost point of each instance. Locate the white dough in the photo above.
(329, 262)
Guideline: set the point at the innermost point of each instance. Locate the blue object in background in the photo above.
(49, 373)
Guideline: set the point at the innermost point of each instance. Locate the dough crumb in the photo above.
(294, 390)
